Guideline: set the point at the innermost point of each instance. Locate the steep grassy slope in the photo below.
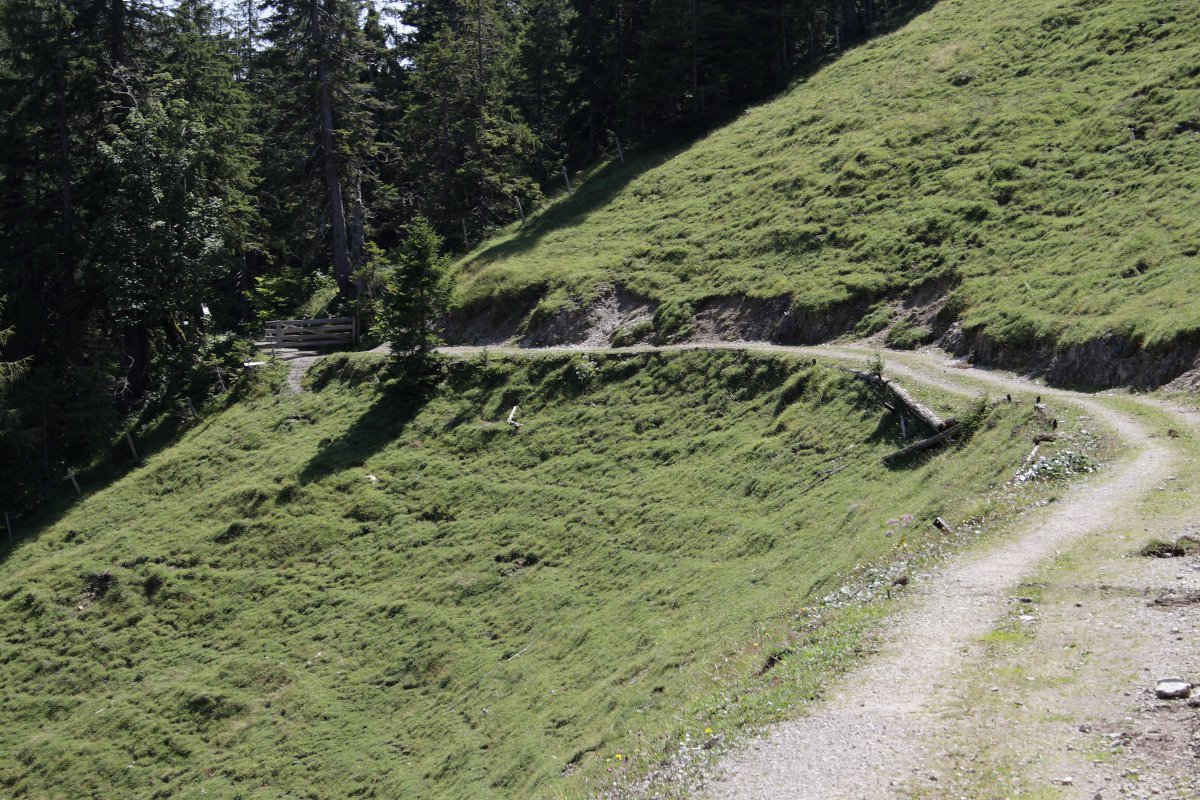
(349, 593)
(1039, 157)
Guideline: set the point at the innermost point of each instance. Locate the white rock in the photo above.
(1172, 689)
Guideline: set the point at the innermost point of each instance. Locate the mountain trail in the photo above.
(886, 728)
(922, 719)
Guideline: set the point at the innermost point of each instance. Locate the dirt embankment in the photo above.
(618, 317)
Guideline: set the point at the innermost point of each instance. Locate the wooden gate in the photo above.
(309, 334)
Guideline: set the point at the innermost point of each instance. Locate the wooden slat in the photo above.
(311, 342)
(310, 333)
(309, 322)
(302, 334)
(315, 343)
(320, 331)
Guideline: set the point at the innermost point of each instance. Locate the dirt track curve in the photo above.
(895, 725)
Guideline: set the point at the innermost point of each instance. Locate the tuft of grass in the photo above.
(1039, 158)
(379, 590)
(1160, 548)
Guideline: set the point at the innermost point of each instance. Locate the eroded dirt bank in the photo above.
(615, 316)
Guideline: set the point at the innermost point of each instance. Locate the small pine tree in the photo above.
(415, 297)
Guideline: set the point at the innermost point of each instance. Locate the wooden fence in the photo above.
(306, 334)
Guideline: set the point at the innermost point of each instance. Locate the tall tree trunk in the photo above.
(358, 234)
(333, 183)
(64, 167)
(136, 346)
(694, 9)
(71, 322)
(116, 31)
(851, 27)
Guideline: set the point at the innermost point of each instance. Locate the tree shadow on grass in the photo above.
(377, 427)
(593, 194)
(45, 503)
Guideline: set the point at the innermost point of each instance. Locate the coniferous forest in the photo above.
(175, 173)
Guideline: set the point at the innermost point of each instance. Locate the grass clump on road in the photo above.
(355, 592)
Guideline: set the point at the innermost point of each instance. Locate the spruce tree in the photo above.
(322, 117)
(470, 148)
(415, 297)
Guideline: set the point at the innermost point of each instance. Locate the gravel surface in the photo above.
(874, 737)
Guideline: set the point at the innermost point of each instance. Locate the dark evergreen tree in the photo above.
(176, 171)
(545, 78)
(468, 145)
(321, 121)
(415, 297)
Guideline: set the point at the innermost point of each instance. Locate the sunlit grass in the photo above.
(1038, 158)
(355, 592)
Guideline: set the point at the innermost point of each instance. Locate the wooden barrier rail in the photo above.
(303, 334)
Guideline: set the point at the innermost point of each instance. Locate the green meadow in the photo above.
(368, 590)
(1037, 159)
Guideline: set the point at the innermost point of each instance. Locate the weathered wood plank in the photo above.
(312, 343)
(345, 326)
(310, 322)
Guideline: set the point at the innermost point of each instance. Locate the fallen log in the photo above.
(916, 407)
(925, 444)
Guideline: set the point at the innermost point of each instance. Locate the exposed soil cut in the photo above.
(618, 316)
(614, 313)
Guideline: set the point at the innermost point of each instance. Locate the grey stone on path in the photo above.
(1172, 689)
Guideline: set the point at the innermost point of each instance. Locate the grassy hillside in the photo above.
(354, 593)
(1039, 157)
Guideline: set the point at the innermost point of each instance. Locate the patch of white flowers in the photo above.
(1062, 464)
